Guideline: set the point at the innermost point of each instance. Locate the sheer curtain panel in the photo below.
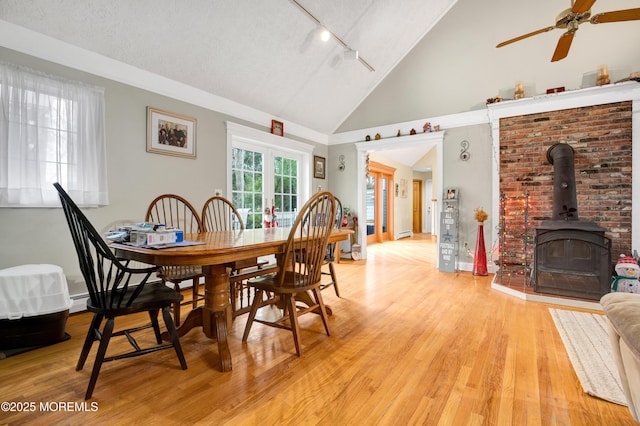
(51, 130)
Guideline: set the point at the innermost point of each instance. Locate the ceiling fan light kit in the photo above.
(571, 19)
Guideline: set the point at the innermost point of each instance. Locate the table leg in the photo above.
(212, 317)
(216, 305)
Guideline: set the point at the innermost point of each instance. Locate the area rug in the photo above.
(586, 339)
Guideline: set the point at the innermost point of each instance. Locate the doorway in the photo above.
(417, 207)
(379, 202)
(418, 142)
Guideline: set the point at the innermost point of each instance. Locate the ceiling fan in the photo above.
(571, 19)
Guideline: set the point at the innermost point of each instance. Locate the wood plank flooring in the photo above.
(410, 345)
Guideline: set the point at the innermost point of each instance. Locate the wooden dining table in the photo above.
(217, 251)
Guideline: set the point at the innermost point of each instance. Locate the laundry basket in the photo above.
(34, 306)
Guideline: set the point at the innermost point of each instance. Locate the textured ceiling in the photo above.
(264, 54)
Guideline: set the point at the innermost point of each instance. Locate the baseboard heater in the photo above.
(404, 234)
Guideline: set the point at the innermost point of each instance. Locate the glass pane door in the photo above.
(257, 186)
(379, 202)
(285, 175)
(371, 204)
(247, 185)
(384, 184)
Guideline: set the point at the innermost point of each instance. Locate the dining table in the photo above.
(214, 252)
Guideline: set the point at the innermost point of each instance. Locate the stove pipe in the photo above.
(565, 204)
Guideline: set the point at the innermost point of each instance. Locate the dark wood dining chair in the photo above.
(333, 250)
(219, 214)
(175, 211)
(113, 293)
(299, 269)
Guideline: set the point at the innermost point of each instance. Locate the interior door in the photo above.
(428, 207)
(417, 206)
(379, 200)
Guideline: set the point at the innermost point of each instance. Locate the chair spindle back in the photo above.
(174, 211)
(107, 278)
(219, 214)
(307, 243)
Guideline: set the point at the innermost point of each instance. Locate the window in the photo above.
(267, 171)
(247, 185)
(285, 189)
(51, 130)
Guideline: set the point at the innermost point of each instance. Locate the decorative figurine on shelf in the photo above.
(367, 138)
(626, 280)
(346, 214)
(274, 217)
(378, 136)
(399, 133)
(427, 127)
(412, 132)
(267, 217)
(480, 258)
(603, 76)
(519, 92)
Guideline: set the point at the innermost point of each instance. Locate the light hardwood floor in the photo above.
(410, 345)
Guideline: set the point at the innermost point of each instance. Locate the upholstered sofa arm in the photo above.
(623, 315)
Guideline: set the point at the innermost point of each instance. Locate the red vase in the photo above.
(480, 258)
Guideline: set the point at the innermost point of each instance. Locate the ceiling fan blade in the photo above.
(513, 40)
(581, 6)
(616, 16)
(562, 49)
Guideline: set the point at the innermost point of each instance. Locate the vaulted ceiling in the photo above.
(265, 54)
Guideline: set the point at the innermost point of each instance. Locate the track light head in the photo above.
(351, 55)
(325, 35)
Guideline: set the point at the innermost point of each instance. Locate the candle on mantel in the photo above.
(519, 93)
(603, 76)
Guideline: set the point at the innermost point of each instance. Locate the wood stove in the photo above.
(571, 258)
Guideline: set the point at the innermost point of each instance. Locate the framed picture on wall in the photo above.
(171, 134)
(277, 128)
(319, 164)
(451, 194)
(404, 188)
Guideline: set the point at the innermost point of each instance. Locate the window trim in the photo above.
(249, 138)
(85, 167)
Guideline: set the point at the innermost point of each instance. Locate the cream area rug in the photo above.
(586, 339)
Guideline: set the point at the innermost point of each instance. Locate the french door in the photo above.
(379, 201)
(263, 178)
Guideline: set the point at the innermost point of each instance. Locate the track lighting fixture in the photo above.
(327, 34)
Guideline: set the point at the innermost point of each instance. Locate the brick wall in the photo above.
(601, 138)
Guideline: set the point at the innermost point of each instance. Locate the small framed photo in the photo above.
(171, 134)
(404, 188)
(451, 194)
(319, 164)
(277, 128)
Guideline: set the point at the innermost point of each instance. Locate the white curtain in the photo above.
(51, 130)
